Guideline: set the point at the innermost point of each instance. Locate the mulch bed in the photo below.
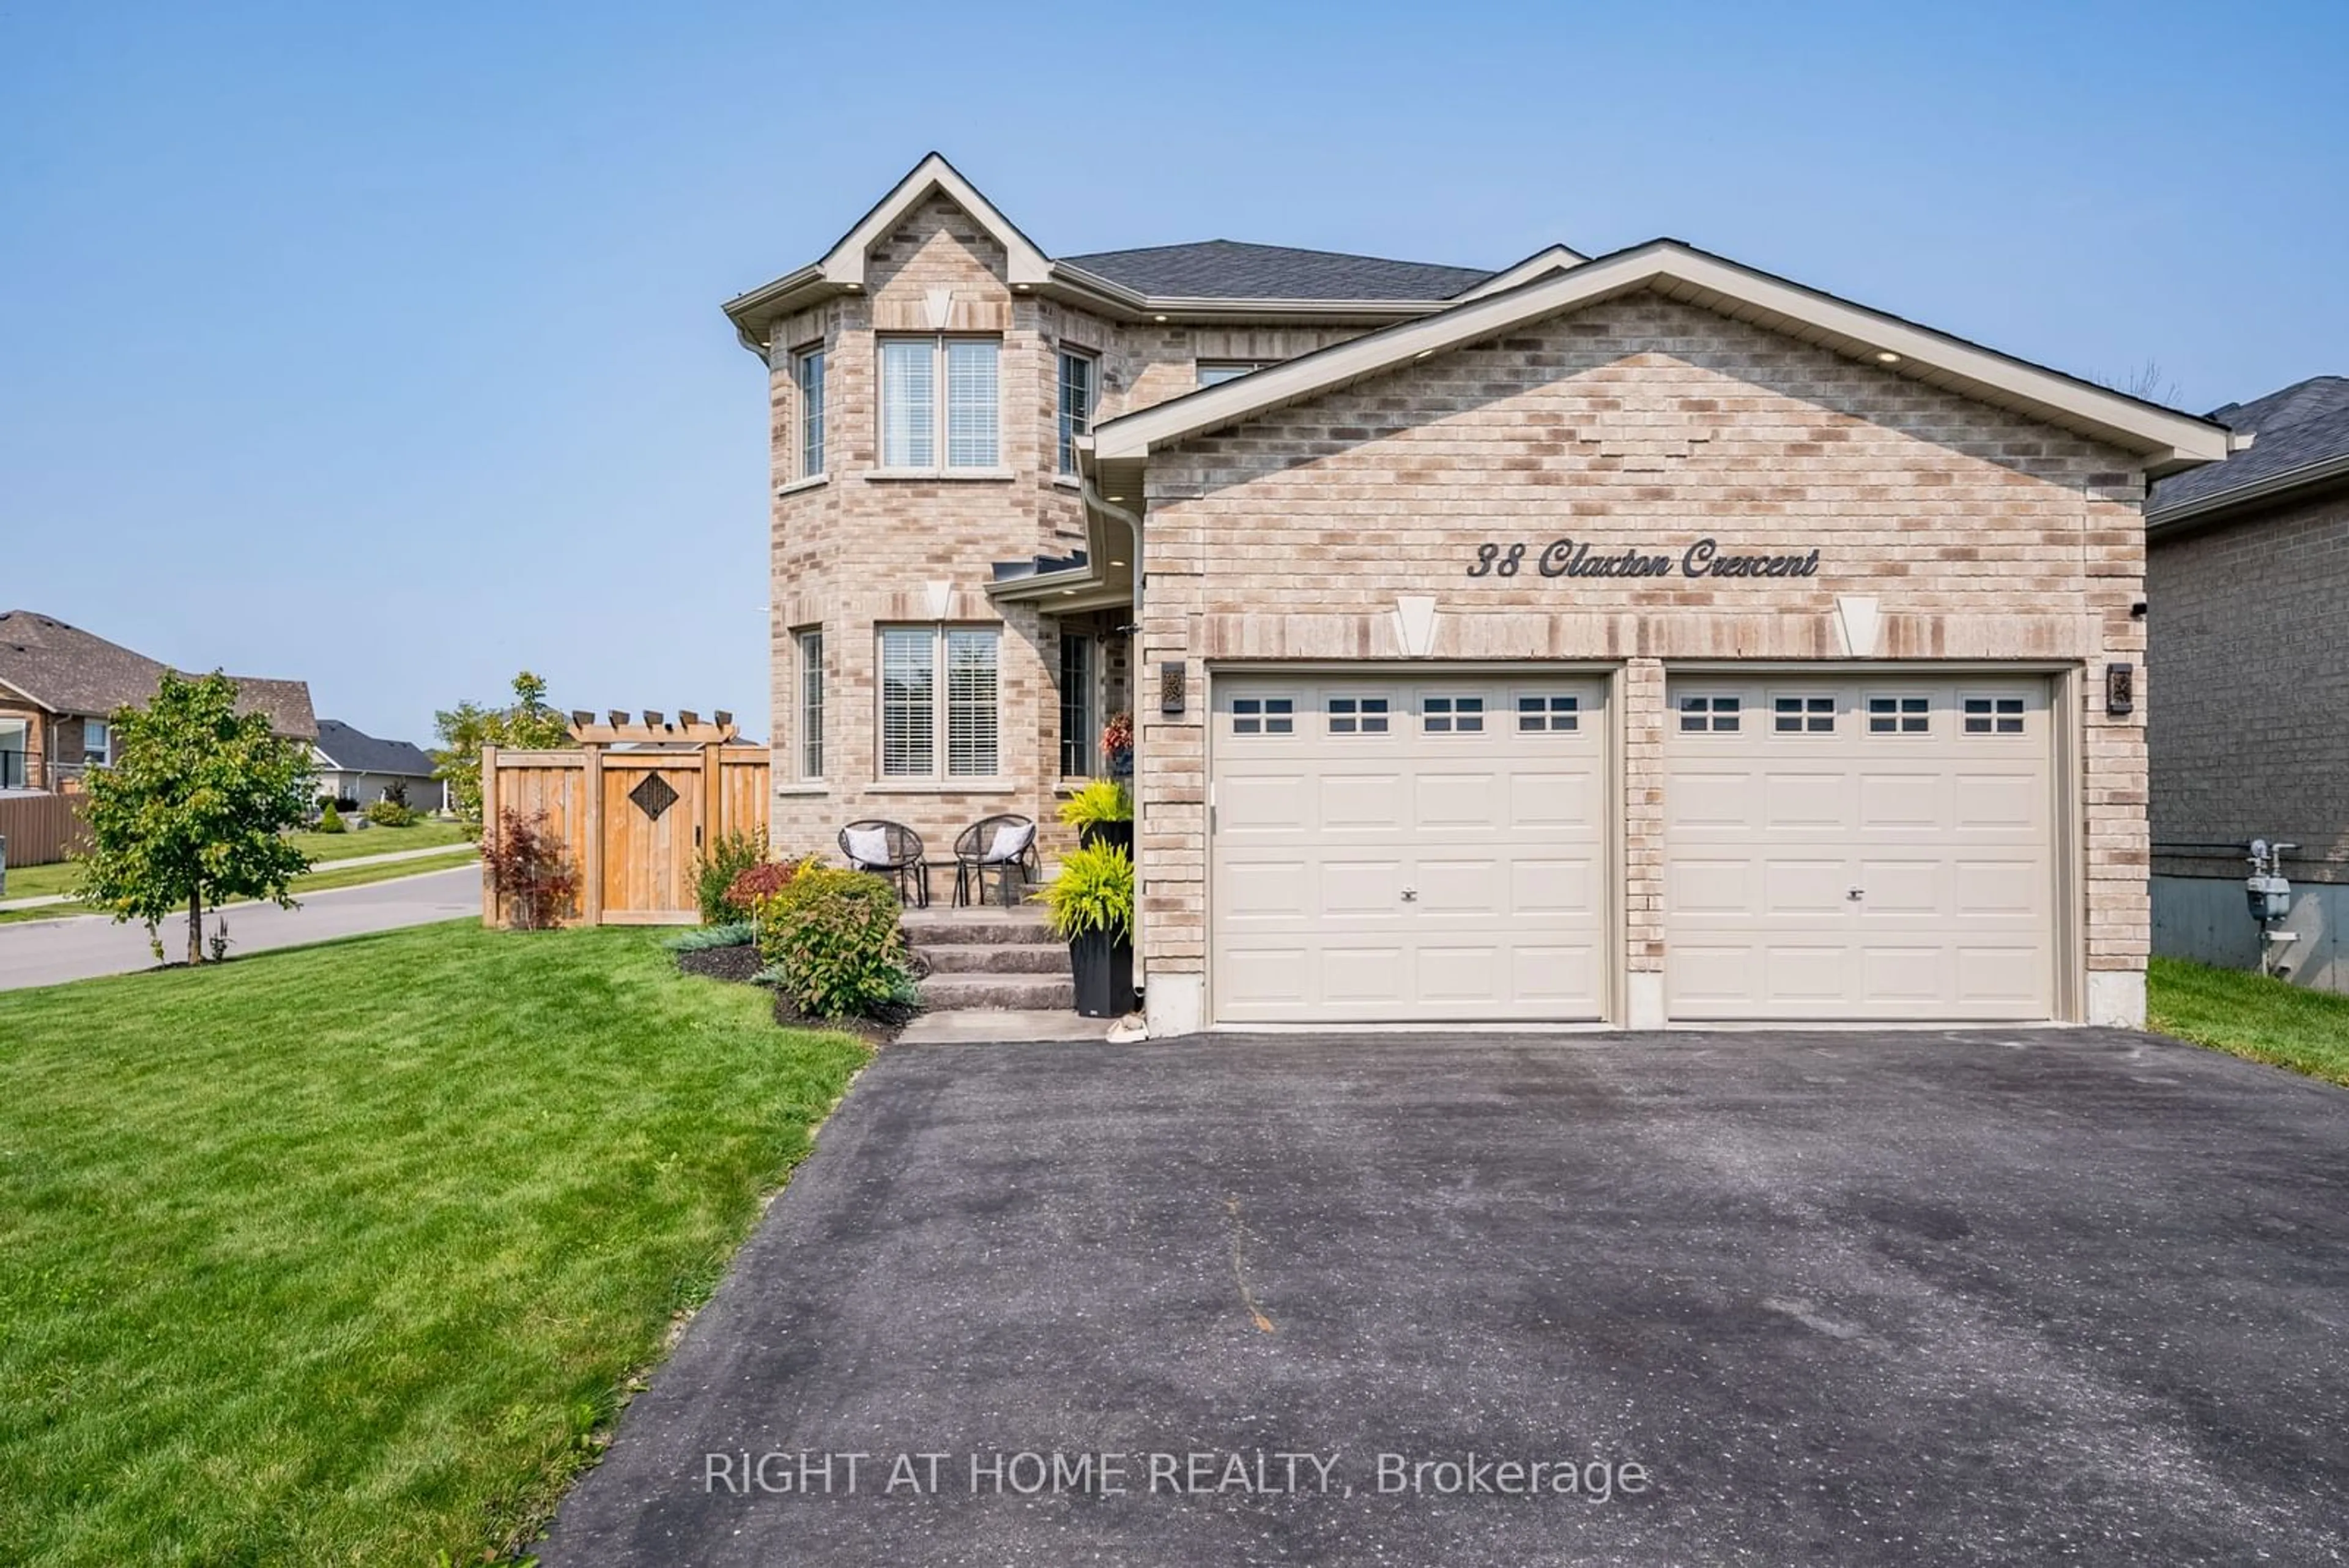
(740, 963)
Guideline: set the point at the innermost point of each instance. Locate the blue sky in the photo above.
(380, 347)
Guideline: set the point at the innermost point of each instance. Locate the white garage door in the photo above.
(1860, 849)
(1407, 850)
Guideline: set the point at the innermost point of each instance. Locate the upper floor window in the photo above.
(934, 679)
(939, 396)
(96, 743)
(1214, 372)
(807, 376)
(1079, 378)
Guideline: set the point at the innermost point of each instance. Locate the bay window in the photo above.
(939, 400)
(939, 681)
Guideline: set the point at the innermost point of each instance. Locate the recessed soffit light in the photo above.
(1157, 319)
(1117, 498)
(1887, 357)
(1117, 563)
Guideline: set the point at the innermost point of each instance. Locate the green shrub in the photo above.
(728, 857)
(733, 934)
(834, 936)
(330, 820)
(1093, 892)
(389, 812)
(1102, 800)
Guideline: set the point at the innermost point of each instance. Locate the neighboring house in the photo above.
(2247, 574)
(354, 765)
(59, 685)
(1634, 639)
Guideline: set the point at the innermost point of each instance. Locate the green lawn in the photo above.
(315, 882)
(2266, 1019)
(343, 1254)
(40, 881)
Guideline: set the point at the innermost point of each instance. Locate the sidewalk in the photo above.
(385, 859)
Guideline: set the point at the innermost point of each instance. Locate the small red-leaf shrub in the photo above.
(763, 880)
(526, 865)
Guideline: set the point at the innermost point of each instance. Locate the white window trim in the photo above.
(1064, 465)
(941, 416)
(105, 758)
(805, 470)
(803, 731)
(937, 777)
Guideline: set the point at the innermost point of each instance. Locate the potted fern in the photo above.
(1101, 813)
(1089, 906)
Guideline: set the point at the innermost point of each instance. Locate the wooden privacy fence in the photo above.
(42, 829)
(632, 822)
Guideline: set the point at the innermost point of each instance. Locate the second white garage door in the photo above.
(1860, 849)
(1407, 850)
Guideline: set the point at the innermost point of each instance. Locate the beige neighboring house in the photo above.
(58, 685)
(1638, 639)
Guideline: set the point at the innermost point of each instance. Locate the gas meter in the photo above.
(2269, 893)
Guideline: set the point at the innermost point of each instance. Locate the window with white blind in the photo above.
(807, 375)
(810, 704)
(940, 403)
(940, 680)
(1215, 372)
(1077, 374)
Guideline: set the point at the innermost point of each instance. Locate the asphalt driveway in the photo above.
(1983, 1297)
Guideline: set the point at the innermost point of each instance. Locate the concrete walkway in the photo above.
(388, 858)
(48, 952)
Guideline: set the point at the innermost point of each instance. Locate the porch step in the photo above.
(963, 928)
(996, 957)
(1039, 993)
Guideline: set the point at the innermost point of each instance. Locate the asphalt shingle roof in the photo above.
(1231, 269)
(355, 751)
(69, 670)
(2298, 425)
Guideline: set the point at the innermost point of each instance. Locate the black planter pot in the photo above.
(1104, 975)
(1118, 833)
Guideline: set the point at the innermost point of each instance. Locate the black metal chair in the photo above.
(901, 862)
(976, 855)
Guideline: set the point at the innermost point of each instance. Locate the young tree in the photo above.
(465, 729)
(194, 808)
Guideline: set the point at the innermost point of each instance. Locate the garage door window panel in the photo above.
(1264, 715)
(1555, 715)
(1899, 715)
(1357, 715)
(1703, 715)
(1994, 715)
(1804, 715)
(1451, 715)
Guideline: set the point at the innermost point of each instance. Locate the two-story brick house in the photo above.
(1632, 639)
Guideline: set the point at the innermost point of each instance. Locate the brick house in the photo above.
(1632, 639)
(2247, 573)
(60, 685)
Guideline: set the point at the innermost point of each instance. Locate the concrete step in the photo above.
(996, 957)
(1012, 992)
(963, 928)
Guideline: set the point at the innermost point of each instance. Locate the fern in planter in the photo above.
(1089, 906)
(1101, 813)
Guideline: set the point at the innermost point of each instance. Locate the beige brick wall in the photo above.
(2250, 728)
(850, 552)
(1641, 420)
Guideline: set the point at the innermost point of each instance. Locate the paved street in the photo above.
(45, 953)
(1991, 1297)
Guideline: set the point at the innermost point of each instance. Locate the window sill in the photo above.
(942, 786)
(1068, 481)
(810, 483)
(941, 475)
(804, 786)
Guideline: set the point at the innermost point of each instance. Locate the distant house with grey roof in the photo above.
(356, 766)
(60, 686)
(2247, 581)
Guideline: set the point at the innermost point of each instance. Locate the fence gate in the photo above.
(634, 806)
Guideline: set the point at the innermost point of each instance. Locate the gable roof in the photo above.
(2304, 441)
(353, 750)
(1234, 269)
(69, 670)
(2164, 438)
(1215, 279)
